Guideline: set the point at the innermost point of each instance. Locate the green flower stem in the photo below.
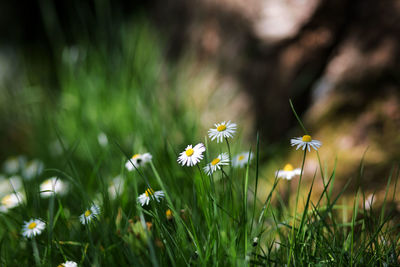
(295, 209)
(35, 252)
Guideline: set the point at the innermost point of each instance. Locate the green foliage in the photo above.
(131, 96)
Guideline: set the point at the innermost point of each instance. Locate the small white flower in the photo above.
(14, 164)
(69, 264)
(33, 227)
(305, 142)
(288, 172)
(51, 186)
(144, 198)
(14, 183)
(222, 130)
(240, 160)
(11, 201)
(138, 160)
(192, 155)
(116, 187)
(369, 201)
(255, 241)
(215, 164)
(56, 148)
(102, 139)
(33, 169)
(90, 214)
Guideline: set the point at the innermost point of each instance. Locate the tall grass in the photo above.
(130, 95)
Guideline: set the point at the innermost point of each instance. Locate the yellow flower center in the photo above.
(306, 138)
(241, 157)
(149, 192)
(288, 167)
(87, 213)
(135, 156)
(221, 128)
(189, 152)
(168, 214)
(32, 225)
(6, 200)
(215, 161)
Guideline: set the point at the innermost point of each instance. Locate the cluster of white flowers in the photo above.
(191, 156)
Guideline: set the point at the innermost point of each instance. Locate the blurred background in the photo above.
(76, 76)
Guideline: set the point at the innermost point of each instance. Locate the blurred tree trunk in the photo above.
(302, 65)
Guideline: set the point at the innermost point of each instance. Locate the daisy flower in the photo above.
(90, 214)
(138, 160)
(102, 139)
(68, 264)
(116, 187)
(53, 186)
(222, 130)
(33, 169)
(240, 160)
(11, 201)
(305, 142)
(33, 227)
(14, 183)
(192, 155)
(215, 164)
(14, 164)
(144, 198)
(288, 172)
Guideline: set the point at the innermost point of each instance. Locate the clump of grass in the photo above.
(113, 106)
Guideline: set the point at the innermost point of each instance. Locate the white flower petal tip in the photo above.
(192, 155)
(305, 142)
(33, 228)
(222, 130)
(217, 163)
(288, 172)
(241, 159)
(90, 214)
(149, 194)
(138, 160)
